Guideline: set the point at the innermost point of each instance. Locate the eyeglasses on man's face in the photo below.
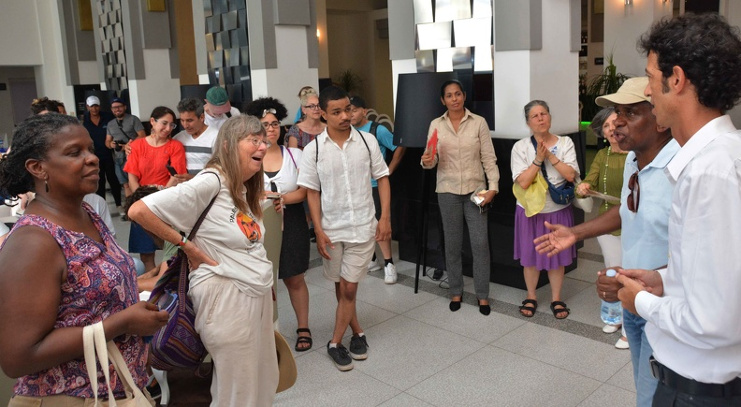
(256, 141)
(634, 197)
(312, 107)
(167, 124)
(268, 125)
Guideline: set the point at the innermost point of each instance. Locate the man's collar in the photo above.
(709, 132)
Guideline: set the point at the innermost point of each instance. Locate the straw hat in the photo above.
(286, 363)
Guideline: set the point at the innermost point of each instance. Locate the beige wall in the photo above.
(353, 44)
(6, 108)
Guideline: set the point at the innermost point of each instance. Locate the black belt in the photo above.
(692, 387)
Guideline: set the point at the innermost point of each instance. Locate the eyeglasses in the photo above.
(266, 111)
(256, 141)
(166, 124)
(267, 125)
(312, 107)
(634, 197)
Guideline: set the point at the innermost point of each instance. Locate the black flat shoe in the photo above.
(456, 305)
(485, 309)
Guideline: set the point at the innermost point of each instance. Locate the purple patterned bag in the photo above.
(177, 344)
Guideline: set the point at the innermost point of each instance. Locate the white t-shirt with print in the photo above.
(232, 238)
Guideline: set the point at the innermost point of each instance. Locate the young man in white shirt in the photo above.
(692, 307)
(197, 137)
(336, 170)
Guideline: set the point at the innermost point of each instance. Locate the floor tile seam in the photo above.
(410, 395)
(504, 308)
(390, 398)
(440, 369)
(527, 356)
(445, 328)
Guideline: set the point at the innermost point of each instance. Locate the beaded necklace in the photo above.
(604, 176)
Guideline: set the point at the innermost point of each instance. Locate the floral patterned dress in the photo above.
(101, 281)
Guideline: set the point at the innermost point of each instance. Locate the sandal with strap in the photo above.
(525, 307)
(303, 339)
(557, 311)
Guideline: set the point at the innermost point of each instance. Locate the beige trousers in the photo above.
(237, 331)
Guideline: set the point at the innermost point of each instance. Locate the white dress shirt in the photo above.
(343, 175)
(694, 327)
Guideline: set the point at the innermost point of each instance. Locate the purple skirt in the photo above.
(527, 229)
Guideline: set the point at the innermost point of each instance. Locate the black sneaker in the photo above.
(359, 347)
(437, 274)
(340, 357)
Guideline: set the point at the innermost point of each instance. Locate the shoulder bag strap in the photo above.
(193, 231)
(542, 167)
(291, 154)
(373, 128)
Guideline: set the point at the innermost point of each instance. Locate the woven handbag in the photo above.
(177, 344)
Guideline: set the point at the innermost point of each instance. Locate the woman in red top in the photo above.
(147, 165)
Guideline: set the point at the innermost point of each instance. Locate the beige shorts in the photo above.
(349, 261)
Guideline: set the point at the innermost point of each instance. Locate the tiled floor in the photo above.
(421, 354)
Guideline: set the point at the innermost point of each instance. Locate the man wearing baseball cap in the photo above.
(643, 214)
(95, 122)
(218, 108)
(121, 130)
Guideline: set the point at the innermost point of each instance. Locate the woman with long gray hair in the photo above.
(231, 277)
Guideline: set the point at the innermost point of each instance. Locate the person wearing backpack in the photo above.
(392, 155)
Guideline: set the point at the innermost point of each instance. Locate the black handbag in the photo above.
(562, 195)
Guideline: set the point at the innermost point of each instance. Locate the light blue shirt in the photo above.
(645, 236)
(385, 142)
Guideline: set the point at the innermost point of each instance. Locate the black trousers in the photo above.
(108, 171)
(665, 396)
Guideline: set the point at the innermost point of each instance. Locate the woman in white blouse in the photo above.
(280, 168)
(231, 277)
(466, 163)
(557, 156)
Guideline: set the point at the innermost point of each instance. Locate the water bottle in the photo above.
(611, 312)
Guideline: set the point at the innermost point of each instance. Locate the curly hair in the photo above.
(31, 141)
(707, 48)
(258, 107)
(331, 93)
(599, 119)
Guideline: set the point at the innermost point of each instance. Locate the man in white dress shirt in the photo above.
(693, 306)
(336, 170)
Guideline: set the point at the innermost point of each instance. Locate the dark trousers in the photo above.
(108, 171)
(665, 396)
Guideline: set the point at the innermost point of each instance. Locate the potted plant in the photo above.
(607, 82)
(350, 81)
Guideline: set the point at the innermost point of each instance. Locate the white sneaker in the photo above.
(608, 329)
(373, 266)
(390, 274)
(119, 210)
(622, 344)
